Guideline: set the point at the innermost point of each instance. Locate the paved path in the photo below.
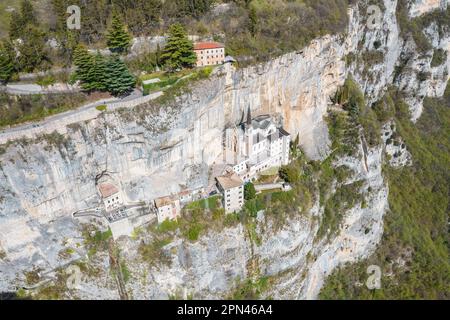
(56, 117)
(30, 89)
(85, 112)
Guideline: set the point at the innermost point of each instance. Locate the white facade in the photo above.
(233, 199)
(255, 146)
(168, 208)
(113, 202)
(111, 196)
(231, 187)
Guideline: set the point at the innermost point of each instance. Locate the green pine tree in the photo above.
(119, 81)
(27, 13)
(179, 50)
(96, 76)
(33, 53)
(83, 62)
(15, 26)
(118, 38)
(6, 66)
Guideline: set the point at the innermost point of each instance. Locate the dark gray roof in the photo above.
(249, 116)
(262, 117)
(284, 132)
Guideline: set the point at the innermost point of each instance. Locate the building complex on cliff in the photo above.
(256, 145)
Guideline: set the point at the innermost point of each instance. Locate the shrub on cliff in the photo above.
(249, 191)
(6, 66)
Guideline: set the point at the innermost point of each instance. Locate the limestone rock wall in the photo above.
(152, 151)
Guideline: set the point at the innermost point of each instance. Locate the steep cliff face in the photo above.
(152, 151)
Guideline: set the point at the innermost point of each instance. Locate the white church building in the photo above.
(255, 146)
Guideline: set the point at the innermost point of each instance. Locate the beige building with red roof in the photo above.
(111, 196)
(209, 53)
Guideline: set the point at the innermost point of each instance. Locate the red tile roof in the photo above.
(107, 190)
(207, 45)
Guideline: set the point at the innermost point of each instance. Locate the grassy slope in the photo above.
(416, 228)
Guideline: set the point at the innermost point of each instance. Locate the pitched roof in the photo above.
(229, 181)
(249, 116)
(107, 189)
(284, 132)
(164, 201)
(207, 45)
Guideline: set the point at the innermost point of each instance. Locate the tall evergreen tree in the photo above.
(179, 50)
(15, 26)
(27, 13)
(32, 49)
(21, 20)
(83, 62)
(6, 66)
(96, 77)
(118, 38)
(120, 81)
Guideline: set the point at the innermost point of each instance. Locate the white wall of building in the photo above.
(113, 202)
(169, 212)
(233, 199)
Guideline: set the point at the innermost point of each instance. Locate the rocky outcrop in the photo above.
(152, 151)
(421, 7)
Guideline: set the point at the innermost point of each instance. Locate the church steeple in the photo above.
(242, 117)
(249, 133)
(249, 116)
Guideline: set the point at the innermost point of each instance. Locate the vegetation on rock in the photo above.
(414, 251)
